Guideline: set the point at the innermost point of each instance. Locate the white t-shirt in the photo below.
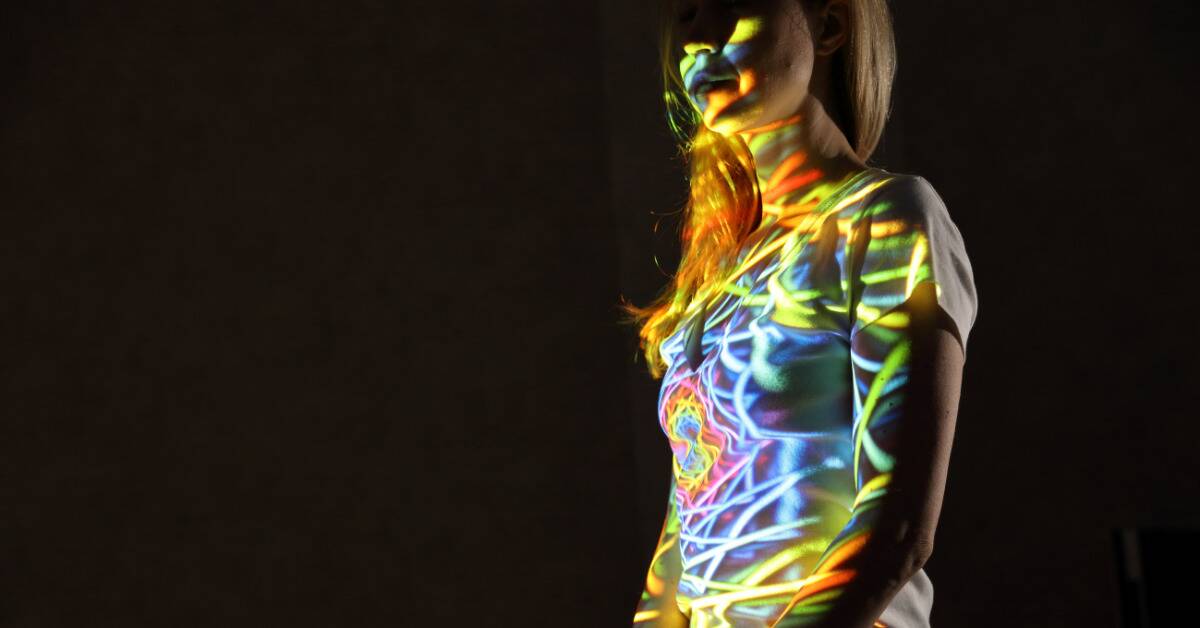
(777, 412)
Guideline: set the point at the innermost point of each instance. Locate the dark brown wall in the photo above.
(308, 317)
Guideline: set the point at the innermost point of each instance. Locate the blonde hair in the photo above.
(723, 205)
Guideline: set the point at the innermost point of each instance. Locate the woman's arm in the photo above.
(910, 362)
(657, 606)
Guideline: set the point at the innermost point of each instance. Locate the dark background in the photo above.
(310, 314)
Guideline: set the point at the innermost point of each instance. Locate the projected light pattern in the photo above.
(693, 68)
(782, 431)
(663, 575)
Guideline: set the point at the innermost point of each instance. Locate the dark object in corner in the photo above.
(1155, 570)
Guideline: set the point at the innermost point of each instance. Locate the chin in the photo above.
(731, 124)
(725, 127)
(736, 117)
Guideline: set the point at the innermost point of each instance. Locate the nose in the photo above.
(707, 31)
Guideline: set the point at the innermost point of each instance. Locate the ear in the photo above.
(834, 21)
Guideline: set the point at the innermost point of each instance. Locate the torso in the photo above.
(761, 428)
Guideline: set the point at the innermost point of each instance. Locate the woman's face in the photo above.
(746, 63)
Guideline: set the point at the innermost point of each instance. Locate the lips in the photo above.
(704, 82)
(707, 86)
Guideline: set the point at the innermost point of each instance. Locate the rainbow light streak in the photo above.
(780, 459)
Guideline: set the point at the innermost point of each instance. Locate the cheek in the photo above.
(794, 49)
(782, 77)
(776, 57)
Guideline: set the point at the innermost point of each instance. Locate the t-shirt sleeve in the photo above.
(904, 236)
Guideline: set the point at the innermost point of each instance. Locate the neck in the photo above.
(799, 161)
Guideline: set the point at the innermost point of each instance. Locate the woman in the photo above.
(811, 343)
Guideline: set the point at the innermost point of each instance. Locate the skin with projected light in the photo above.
(798, 497)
